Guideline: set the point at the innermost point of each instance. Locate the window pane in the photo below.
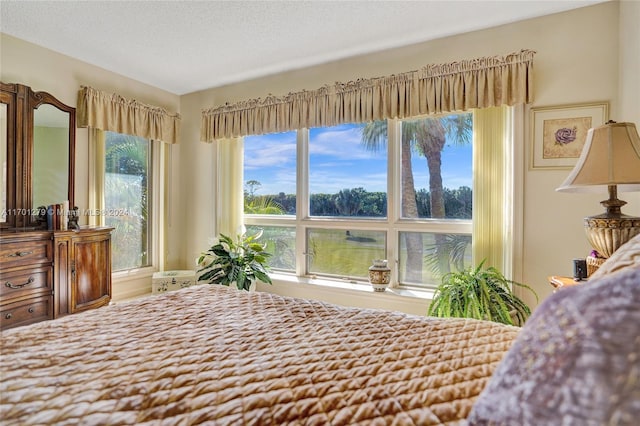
(341, 253)
(270, 174)
(281, 243)
(127, 200)
(425, 257)
(348, 170)
(437, 167)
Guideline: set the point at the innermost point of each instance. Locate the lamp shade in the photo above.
(611, 156)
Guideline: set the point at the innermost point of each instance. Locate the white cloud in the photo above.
(269, 154)
(341, 143)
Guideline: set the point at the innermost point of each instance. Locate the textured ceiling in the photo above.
(186, 46)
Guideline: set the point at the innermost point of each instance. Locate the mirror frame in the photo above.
(13, 97)
(21, 103)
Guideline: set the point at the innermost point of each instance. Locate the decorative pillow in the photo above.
(626, 256)
(575, 362)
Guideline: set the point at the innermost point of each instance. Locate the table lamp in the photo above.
(610, 161)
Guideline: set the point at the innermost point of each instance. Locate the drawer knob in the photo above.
(10, 285)
(20, 254)
(31, 310)
(8, 316)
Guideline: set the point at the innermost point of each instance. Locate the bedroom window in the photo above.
(397, 189)
(129, 176)
(128, 199)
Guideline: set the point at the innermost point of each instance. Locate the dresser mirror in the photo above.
(38, 152)
(50, 155)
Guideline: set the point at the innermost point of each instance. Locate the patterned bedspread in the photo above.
(214, 355)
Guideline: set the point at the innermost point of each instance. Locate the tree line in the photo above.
(357, 202)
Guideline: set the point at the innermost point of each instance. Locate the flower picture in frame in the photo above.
(559, 133)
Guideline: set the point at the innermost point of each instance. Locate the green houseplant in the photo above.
(241, 262)
(482, 294)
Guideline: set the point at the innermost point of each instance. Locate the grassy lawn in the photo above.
(340, 254)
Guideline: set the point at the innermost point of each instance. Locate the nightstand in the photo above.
(559, 282)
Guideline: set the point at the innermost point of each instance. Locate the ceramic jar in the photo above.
(379, 274)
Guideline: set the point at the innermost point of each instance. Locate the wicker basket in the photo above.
(593, 263)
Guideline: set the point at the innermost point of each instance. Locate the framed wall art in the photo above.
(558, 133)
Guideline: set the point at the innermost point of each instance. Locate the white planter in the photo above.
(172, 280)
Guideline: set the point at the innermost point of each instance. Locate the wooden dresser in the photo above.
(26, 278)
(48, 274)
(43, 274)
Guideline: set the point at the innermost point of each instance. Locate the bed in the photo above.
(214, 355)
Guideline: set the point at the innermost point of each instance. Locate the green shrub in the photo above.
(482, 294)
(242, 262)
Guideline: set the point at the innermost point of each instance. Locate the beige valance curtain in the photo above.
(456, 86)
(112, 112)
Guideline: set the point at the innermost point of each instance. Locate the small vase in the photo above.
(379, 275)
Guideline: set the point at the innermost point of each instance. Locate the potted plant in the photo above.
(242, 262)
(482, 294)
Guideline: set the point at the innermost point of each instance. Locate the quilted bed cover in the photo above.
(214, 355)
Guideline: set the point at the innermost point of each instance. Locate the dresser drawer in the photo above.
(26, 312)
(25, 253)
(19, 283)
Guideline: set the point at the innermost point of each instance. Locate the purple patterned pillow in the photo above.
(575, 362)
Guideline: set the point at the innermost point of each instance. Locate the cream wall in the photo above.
(629, 39)
(578, 58)
(62, 76)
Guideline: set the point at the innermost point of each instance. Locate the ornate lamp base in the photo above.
(607, 234)
(608, 231)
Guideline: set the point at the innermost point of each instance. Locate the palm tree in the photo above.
(349, 201)
(431, 134)
(259, 204)
(428, 136)
(374, 138)
(253, 186)
(128, 156)
(262, 205)
(451, 247)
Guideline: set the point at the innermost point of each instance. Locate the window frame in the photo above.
(156, 187)
(392, 225)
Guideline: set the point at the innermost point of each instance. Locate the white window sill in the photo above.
(360, 294)
(131, 284)
(351, 285)
(133, 274)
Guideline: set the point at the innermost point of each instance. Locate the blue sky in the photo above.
(338, 161)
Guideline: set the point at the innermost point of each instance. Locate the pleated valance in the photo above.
(456, 86)
(112, 112)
